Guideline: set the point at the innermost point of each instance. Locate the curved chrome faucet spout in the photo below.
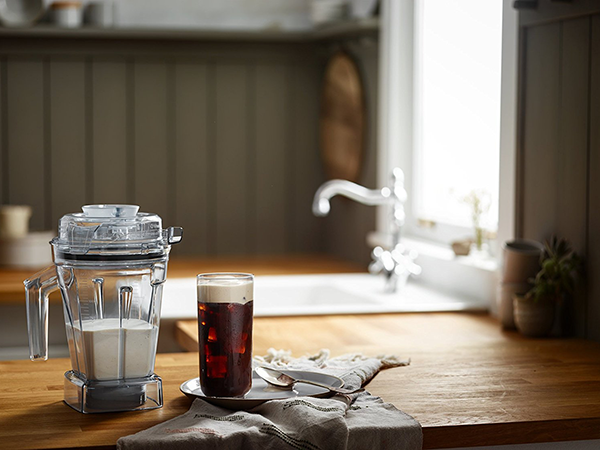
(329, 189)
(396, 263)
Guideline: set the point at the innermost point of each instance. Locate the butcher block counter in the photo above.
(468, 384)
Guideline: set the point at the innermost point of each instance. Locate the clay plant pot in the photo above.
(504, 300)
(533, 318)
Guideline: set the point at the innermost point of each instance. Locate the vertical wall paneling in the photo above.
(130, 129)
(150, 138)
(593, 255)
(573, 129)
(231, 184)
(171, 151)
(560, 146)
(541, 119)
(219, 139)
(190, 153)
(3, 159)
(306, 168)
(89, 130)
(270, 116)
(67, 136)
(25, 140)
(251, 158)
(211, 158)
(573, 146)
(109, 131)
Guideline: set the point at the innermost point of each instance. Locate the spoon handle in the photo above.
(331, 388)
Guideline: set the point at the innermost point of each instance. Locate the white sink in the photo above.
(290, 295)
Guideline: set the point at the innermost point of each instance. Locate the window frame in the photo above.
(396, 133)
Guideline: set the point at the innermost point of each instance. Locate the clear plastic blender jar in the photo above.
(110, 264)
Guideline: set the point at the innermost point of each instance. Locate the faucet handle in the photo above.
(405, 260)
(382, 261)
(398, 184)
(398, 261)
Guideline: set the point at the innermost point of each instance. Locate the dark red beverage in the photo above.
(225, 340)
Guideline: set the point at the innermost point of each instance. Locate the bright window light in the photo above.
(457, 108)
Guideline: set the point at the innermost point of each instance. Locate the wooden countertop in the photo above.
(12, 290)
(469, 384)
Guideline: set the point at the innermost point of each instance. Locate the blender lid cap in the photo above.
(110, 210)
(112, 230)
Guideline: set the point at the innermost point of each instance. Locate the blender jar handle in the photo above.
(37, 290)
(174, 235)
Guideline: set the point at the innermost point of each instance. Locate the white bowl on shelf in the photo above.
(19, 13)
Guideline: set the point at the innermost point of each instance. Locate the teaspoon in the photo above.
(280, 379)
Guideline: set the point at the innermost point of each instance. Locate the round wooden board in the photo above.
(342, 119)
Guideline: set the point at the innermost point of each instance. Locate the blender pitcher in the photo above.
(110, 263)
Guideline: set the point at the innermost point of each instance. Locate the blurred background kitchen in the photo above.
(224, 117)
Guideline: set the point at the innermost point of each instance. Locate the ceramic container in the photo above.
(20, 13)
(521, 260)
(14, 221)
(66, 14)
(100, 14)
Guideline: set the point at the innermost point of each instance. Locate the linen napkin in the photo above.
(342, 422)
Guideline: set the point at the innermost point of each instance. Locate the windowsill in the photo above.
(438, 251)
(463, 276)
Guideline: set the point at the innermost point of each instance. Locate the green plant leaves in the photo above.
(560, 269)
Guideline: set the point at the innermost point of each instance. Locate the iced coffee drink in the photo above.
(225, 309)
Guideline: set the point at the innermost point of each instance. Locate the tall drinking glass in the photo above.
(225, 309)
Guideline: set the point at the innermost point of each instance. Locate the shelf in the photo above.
(349, 28)
(323, 32)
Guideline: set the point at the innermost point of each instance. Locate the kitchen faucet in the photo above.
(396, 264)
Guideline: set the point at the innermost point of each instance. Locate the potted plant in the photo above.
(560, 267)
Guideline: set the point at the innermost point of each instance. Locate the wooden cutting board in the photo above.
(342, 119)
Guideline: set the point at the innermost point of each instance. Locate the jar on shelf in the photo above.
(66, 14)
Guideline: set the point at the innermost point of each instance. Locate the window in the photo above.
(455, 59)
(457, 108)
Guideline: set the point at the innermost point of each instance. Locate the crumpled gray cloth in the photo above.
(342, 422)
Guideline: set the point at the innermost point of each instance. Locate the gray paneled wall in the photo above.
(27, 163)
(218, 138)
(559, 148)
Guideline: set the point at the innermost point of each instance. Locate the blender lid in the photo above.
(113, 230)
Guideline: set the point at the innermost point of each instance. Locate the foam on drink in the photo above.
(226, 291)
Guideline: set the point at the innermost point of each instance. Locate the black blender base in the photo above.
(89, 396)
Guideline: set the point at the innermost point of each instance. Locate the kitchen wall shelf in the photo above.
(347, 29)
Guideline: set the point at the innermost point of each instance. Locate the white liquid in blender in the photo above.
(113, 352)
